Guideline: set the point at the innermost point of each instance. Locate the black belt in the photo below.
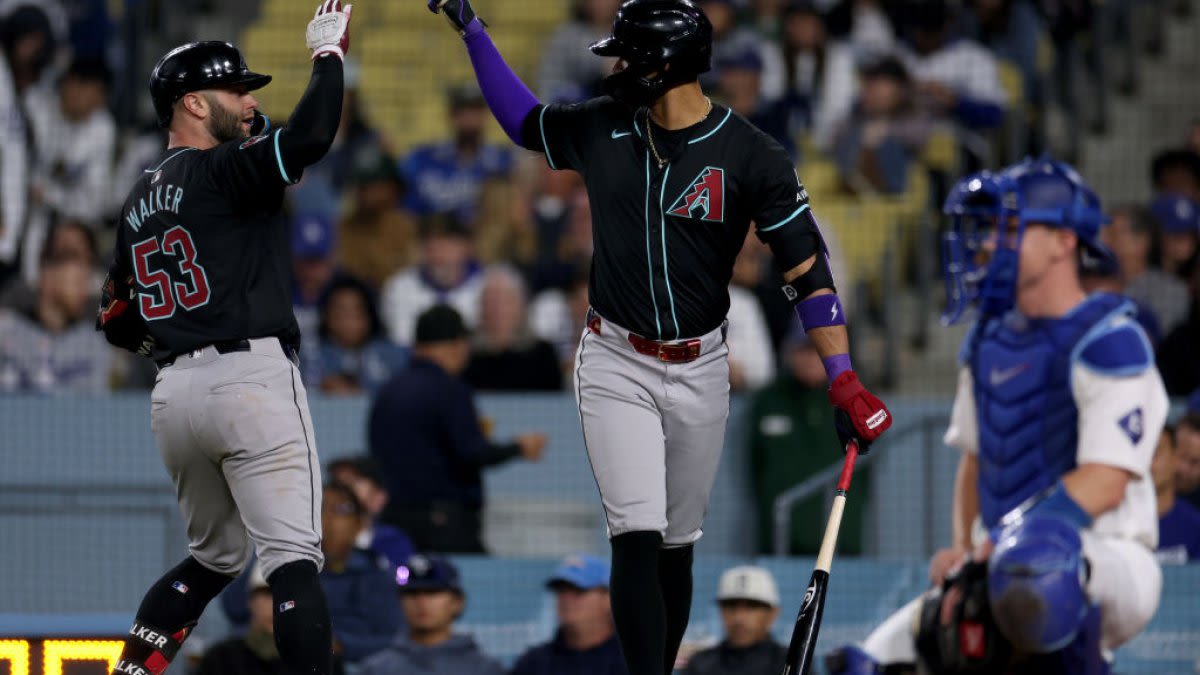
(227, 347)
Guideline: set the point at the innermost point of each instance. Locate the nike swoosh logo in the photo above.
(999, 377)
(617, 134)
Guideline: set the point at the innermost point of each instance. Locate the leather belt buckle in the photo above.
(667, 352)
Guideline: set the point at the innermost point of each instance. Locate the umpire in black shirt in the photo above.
(426, 435)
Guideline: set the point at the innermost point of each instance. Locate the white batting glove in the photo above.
(329, 31)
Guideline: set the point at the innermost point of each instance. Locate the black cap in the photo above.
(440, 323)
(196, 66)
(466, 95)
(889, 67)
(425, 572)
(90, 70)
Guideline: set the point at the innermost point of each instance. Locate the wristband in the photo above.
(836, 365)
(821, 311)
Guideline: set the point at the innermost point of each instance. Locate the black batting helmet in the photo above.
(196, 66)
(648, 35)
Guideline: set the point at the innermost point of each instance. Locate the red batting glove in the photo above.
(329, 31)
(858, 414)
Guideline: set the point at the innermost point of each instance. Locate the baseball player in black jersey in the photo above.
(674, 182)
(200, 283)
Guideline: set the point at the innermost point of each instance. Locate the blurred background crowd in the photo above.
(429, 253)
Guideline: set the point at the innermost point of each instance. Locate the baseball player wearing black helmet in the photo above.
(200, 282)
(674, 182)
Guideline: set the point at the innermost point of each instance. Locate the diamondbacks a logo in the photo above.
(704, 199)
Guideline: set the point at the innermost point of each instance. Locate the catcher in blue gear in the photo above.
(1057, 413)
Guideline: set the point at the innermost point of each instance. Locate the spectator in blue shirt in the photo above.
(426, 435)
(358, 584)
(362, 475)
(1178, 521)
(433, 600)
(356, 354)
(448, 177)
(586, 640)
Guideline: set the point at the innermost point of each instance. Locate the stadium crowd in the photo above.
(463, 266)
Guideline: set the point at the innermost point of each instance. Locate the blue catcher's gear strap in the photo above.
(1053, 502)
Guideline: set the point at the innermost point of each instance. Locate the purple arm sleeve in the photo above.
(507, 96)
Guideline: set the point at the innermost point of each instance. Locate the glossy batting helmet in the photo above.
(649, 35)
(196, 66)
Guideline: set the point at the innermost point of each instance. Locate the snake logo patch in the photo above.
(704, 199)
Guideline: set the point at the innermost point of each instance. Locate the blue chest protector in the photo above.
(1024, 405)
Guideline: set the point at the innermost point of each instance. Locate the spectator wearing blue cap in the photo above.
(732, 41)
(313, 270)
(1179, 218)
(433, 599)
(586, 640)
(740, 86)
(1131, 237)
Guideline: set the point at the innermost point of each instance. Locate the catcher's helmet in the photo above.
(649, 34)
(196, 66)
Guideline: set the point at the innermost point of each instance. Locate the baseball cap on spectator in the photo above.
(425, 572)
(1176, 214)
(748, 582)
(440, 323)
(466, 95)
(887, 67)
(585, 572)
(746, 59)
(91, 70)
(312, 236)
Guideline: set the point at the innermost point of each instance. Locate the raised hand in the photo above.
(329, 31)
(459, 13)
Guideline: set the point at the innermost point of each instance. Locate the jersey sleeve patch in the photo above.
(1133, 425)
(1119, 350)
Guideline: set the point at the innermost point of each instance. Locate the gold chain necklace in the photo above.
(650, 137)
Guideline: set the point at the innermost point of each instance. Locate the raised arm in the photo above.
(511, 102)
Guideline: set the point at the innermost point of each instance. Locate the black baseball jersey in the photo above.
(666, 238)
(203, 235)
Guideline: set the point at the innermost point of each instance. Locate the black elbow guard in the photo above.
(817, 277)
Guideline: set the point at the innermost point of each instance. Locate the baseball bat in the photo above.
(808, 621)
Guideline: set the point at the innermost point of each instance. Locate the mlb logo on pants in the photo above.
(285, 606)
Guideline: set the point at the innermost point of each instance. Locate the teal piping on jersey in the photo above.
(279, 160)
(785, 221)
(649, 267)
(164, 162)
(717, 128)
(545, 145)
(666, 267)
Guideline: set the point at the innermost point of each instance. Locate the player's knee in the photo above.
(229, 558)
(273, 558)
(1036, 584)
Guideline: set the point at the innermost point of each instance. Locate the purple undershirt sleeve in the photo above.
(507, 96)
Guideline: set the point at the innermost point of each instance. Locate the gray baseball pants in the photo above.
(235, 434)
(653, 430)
